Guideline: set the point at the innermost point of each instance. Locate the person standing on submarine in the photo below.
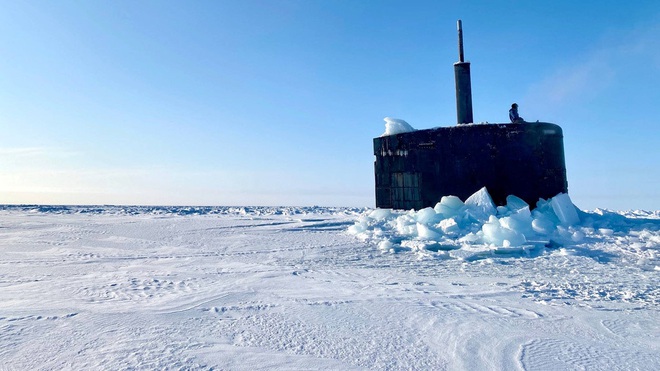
(513, 115)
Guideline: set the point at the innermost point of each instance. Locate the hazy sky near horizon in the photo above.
(276, 102)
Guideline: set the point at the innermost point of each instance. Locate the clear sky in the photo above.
(276, 102)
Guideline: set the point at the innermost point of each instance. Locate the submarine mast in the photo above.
(463, 83)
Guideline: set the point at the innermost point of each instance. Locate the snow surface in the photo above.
(251, 288)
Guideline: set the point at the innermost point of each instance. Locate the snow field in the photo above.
(289, 288)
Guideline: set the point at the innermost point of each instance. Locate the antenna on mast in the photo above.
(459, 25)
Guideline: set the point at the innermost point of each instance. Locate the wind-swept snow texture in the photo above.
(463, 286)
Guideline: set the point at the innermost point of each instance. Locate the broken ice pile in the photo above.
(454, 224)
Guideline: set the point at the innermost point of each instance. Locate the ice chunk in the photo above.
(426, 216)
(480, 205)
(564, 209)
(469, 238)
(481, 199)
(406, 225)
(491, 228)
(386, 245)
(577, 236)
(357, 228)
(499, 235)
(520, 221)
(515, 203)
(449, 226)
(396, 126)
(545, 220)
(542, 224)
(380, 214)
(426, 233)
(449, 206)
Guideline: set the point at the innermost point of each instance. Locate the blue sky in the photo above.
(276, 102)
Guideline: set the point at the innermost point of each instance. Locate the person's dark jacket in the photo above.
(513, 115)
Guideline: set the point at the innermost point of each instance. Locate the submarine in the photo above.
(414, 170)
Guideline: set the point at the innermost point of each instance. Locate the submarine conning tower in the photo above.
(416, 169)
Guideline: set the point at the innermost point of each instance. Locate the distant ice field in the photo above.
(245, 288)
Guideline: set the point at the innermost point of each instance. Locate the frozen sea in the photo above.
(249, 288)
